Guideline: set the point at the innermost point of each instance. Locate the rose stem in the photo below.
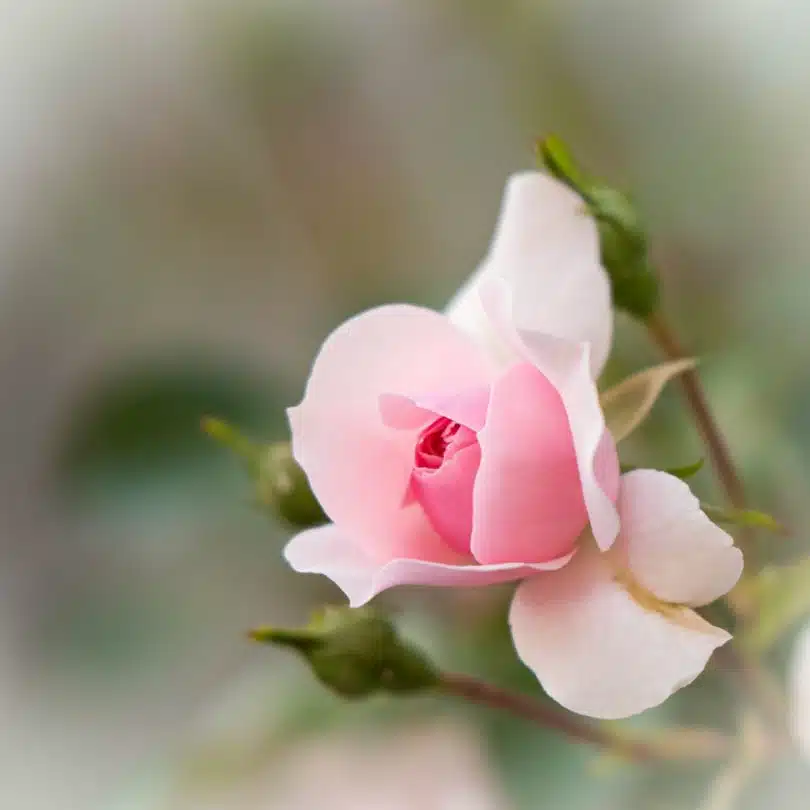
(716, 445)
(754, 679)
(696, 744)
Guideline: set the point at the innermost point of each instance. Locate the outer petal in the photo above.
(527, 502)
(357, 466)
(598, 652)
(326, 550)
(546, 246)
(671, 548)
(566, 366)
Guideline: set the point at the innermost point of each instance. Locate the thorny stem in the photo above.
(678, 744)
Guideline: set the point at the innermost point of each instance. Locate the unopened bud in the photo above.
(281, 486)
(623, 241)
(356, 653)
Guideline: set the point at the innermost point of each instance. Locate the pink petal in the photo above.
(326, 550)
(446, 495)
(528, 504)
(546, 247)
(566, 366)
(598, 652)
(671, 548)
(468, 408)
(358, 467)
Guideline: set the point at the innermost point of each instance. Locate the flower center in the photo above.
(445, 463)
(433, 443)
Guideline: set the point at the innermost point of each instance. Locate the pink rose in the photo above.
(471, 448)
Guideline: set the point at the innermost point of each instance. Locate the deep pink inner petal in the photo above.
(445, 456)
(446, 460)
(441, 441)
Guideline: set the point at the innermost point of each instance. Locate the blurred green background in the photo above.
(193, 195)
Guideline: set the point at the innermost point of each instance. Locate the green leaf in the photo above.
(748, 518)
(684, 473)
(628, 403)
(687, 471)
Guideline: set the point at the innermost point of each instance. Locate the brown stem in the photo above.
(715, 443)
(681, 744)
(755, 680)
(716, 446)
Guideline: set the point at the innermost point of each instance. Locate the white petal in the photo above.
(326, 550)
(466, 311)
(628, 403)
(672, 549)
(799, 686)
(546, 247)
(598, 652)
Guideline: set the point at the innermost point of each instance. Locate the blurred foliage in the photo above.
(782, 594)
(143, 425)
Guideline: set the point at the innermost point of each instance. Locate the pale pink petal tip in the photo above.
(325, 550)
(672, 549)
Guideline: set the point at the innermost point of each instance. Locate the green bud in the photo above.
(623, 241)
(356, 653)
(281, 486)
